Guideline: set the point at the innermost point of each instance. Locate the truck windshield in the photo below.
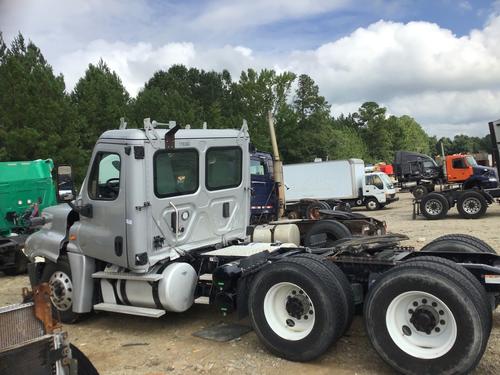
(471, 161)
(387, 181)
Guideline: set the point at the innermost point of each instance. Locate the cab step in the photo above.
(206, 277)
(127, 276)
(131, 310)
(202, 300)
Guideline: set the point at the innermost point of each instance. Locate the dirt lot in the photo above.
(119, 344)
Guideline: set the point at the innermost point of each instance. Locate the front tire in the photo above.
(58, 276)
(296, 309)
(372, 204)
(424, 317)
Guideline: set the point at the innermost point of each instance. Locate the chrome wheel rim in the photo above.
(471, 206)
(433, 207)
(61, 291)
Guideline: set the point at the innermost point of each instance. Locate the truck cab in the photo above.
(173, 199)
(464, 169)
(378, 190)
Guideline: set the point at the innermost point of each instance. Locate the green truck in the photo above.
(26, 188)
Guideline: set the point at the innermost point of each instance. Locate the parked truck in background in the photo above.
(343, 180)
(26, 188)
(478, 185)
(264, 201)
(168, 227)
(421, 174)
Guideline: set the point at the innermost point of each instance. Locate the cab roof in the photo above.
(140, 134)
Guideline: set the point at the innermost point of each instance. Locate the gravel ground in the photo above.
(120, 344)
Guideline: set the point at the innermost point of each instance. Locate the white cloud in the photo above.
(237, 14)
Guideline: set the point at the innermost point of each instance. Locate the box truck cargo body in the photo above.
(344, 180)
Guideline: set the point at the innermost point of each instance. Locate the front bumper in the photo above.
(391, 198)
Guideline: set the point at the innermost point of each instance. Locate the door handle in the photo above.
(119, 246)
(225, 209)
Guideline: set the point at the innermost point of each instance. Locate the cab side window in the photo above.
(223, 167)
(175, 172)
(104, 181)
(459, 163)
(377, 181)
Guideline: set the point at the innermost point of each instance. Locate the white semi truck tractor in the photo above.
(162, 222)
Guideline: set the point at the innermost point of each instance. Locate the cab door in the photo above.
(460, 170)
(102, 231)
(227, 184)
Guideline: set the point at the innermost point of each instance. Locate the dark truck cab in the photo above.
(421, 173)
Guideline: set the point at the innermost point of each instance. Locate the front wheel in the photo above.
(297, 308)
(372, 204)
(58, 276)
(426, 318)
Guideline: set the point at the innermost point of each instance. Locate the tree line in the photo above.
(39, 118)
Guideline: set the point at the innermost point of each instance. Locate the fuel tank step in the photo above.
(202, 300)
(131, 310)
(205, 277)
(126, 276)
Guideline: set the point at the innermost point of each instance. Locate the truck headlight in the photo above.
(492, 179)
(365, 229)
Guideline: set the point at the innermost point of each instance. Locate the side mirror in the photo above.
(65, 185)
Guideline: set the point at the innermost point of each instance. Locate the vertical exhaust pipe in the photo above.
(278, 167)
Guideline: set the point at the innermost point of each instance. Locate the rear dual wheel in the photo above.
(298, 308)
(472, 205)
(434, 206)
(427, 317)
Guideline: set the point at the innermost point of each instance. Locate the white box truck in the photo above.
(343, 180)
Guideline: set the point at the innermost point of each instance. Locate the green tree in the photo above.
(377, 131)
(36, 115)
(100, 99)
(408, 135)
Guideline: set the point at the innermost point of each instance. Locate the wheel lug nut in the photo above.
(301, 291)
(437, 329)
(415, 303)
(434, 304)
(424, 301)
(294, 292)
(310, 312)
(306, 317)
(406, 330)
(410, 311)
(441, 312)
(442, 322)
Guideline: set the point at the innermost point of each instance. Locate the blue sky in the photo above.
(438, 61)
